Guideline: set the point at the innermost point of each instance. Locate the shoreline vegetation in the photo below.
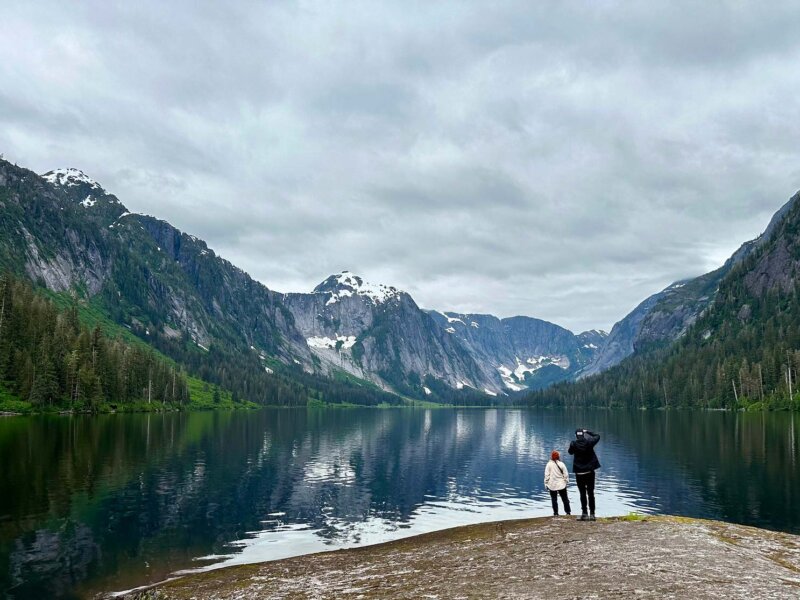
(52, 361)
(18, 408)
(631, 556)
(13, 407)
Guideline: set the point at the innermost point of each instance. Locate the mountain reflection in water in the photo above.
(117, 501)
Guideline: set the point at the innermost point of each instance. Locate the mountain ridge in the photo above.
(665, 316)
(64, 231)
(354, 325)
(742, 351)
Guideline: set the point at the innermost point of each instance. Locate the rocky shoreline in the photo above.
(633, 557)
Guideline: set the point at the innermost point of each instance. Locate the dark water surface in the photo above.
(112, 502)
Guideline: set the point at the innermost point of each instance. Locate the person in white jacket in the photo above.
(556, 479)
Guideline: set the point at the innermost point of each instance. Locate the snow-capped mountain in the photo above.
(346, 284)
(70, 178)
(378, 332)
(525, 353)
(84, 191)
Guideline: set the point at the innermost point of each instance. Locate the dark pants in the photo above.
(564, 498)
(586, 488)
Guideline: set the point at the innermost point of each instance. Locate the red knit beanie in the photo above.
(554, 455)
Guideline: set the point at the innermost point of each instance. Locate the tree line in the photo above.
(52, 360)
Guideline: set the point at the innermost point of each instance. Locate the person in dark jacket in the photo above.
(584, 465)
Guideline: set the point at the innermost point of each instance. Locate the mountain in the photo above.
(526, 353)
(740, 349)
(347, 339)
(66, 233)
(664, 317)
(378, 332)
(661, 318)
(146, 273)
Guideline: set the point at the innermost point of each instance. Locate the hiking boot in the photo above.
(583, 517)
(555, 514)
(592, 517)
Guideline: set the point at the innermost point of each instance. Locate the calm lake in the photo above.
(112, 502)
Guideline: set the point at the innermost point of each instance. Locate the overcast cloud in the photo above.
(555, 159)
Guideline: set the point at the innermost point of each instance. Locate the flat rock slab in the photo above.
(655, 557)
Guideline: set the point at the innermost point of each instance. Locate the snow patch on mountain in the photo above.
(522, 369)
(452, 319)
(70, 177)
(347, 342)
(596, 332)
(507, 376)
(347, 284)
(514, 379)
(537, 362)
(336, 296)
(88, 202)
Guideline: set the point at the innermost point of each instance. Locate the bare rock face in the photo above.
(63, 230)
(776, 269)
(525, 353)
(379, 333)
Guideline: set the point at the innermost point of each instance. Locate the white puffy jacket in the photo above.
(556, 476)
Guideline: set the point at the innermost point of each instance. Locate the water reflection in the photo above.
(112, 502)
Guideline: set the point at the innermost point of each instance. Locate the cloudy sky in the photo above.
(556, 159)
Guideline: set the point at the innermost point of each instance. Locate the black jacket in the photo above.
(583, 451)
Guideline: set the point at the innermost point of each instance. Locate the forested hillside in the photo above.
(51, 360)
(743, 352)
(64, 233)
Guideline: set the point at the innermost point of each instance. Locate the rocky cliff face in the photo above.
(777, 268)
(65, 231)
(52, 227)
(209, 296)
(667, 315)
(525, 353)
(379, 333)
